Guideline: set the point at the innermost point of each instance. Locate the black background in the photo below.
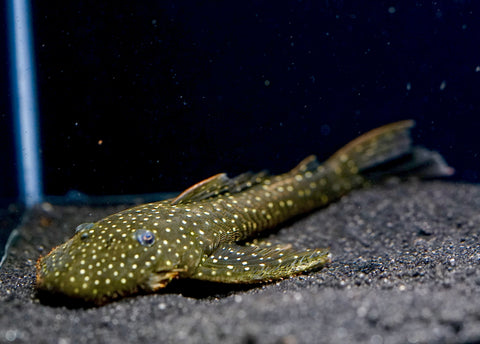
(140, 97)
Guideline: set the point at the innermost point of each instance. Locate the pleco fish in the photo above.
(196, 235)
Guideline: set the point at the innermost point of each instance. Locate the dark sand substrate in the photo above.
(405, 269)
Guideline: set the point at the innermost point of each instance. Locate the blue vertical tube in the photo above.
(24, 101)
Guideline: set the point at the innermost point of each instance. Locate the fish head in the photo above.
(104, 261)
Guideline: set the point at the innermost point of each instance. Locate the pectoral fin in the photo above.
(159, 280)
(233, 263)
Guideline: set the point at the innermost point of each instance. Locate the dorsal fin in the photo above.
(219, 184)
(206, 188)
(310, 163)
(246, 180)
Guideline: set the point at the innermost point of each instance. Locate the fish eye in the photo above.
(145, 237)
(83, 226)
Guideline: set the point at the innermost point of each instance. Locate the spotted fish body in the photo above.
(196, 235)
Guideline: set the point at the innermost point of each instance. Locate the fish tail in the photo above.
(384, 152)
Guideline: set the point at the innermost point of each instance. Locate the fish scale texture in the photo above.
(405, 269)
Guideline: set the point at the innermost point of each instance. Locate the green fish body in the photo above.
(196, 235)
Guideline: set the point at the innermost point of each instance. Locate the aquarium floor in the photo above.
(405, 269)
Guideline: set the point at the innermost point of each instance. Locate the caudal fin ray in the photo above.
(387, 151)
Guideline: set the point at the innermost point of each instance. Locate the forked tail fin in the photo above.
(387, 151)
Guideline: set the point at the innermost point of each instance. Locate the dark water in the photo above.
(148, 97)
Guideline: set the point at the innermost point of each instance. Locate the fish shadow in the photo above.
(200, 290)
(61, 301)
